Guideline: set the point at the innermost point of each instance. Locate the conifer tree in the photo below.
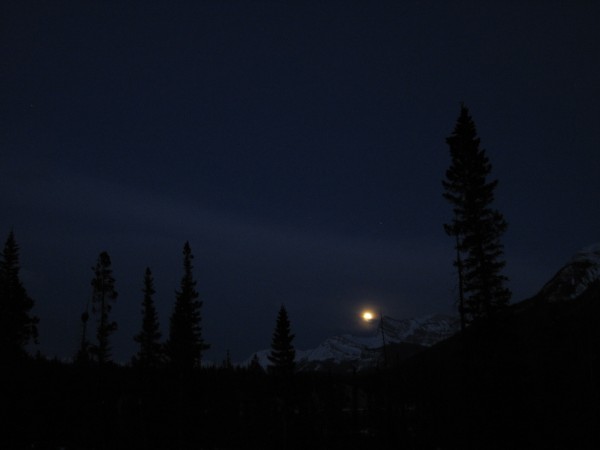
(103, 294)
(83, 353)
(17, 326)
(254, 365)
(185, 344)
(476, 226)
(227, 364)
(282, 356)
(150, 352)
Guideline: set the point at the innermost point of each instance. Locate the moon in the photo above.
(368, 316)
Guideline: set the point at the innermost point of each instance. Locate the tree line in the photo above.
(475, 227)
(183, 348)
(184, 345)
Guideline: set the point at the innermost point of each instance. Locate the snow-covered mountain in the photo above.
(575, 277)
(365, 351)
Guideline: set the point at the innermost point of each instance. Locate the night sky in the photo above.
(298, 146)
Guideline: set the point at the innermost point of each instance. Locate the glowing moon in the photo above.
(368, 316)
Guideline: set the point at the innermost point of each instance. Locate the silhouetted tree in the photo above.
(185, 344)
(103, 294)
(17, 326)
(282, 356)
(254, 365)
(227, 364)
(83, 353)
(150, 352)
(476, 226)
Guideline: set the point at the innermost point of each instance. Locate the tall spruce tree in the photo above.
(283, 355)
(476, 226)
(103, 294)
(17, 326)
(185, 344)
(150, 351)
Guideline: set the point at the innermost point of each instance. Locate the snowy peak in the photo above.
(345, 347)
(575, 277)
(339, 349)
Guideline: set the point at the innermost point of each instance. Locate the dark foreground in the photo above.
(529, 380)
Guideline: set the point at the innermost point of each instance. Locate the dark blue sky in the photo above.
(298, 146)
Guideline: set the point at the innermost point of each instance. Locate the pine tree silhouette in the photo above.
(227, 363)
(282, 356)
(17, 326)
(185, 345)
(254, 365)
(476, 226)
(83, 353)
(103, 294)
(150, 351)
